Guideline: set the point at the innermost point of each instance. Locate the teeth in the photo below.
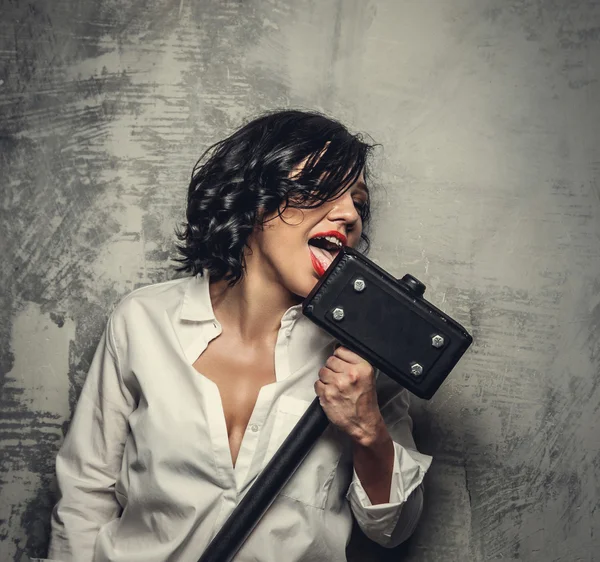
(334, 240)
(331, 239)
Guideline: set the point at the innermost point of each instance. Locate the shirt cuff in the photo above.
(409, 470)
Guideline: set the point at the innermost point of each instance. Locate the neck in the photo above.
(253, 307)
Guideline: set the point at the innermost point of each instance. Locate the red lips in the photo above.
(333, 233)
(317, 265)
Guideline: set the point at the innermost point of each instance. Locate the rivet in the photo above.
(437, 341)
(338, 313)
(359, 285)
(416, 370)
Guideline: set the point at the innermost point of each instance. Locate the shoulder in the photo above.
(150, 301)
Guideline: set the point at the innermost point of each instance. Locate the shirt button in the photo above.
(294, 314)
(288, 333)
(254, 428)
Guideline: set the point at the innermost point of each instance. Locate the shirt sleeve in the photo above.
(89, 459)
(389, 524)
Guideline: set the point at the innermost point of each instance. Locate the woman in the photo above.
(197, 381)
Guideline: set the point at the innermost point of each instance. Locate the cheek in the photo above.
(354, 239)
(286, 245)
(291, 233)
(291, 218)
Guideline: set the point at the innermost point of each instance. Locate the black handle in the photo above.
(267, 485)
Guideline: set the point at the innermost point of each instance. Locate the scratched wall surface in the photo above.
(489, 116)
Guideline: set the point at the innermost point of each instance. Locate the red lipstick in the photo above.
(333, 233)
(318, 264)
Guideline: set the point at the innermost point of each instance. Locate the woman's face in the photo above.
(296, 248)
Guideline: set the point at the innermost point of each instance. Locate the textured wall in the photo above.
(489, 114)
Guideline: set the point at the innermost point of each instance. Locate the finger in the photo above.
(336, 364)
(327, 376)
(326, 392)
(319, 388)
(347, 355)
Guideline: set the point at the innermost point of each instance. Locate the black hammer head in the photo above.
(387, 322)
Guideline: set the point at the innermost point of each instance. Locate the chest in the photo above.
(239, 372)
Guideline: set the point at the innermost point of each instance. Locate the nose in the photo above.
(344, 210)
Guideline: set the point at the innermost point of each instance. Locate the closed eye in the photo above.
(361, 207)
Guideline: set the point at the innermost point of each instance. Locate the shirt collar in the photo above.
(196, 305)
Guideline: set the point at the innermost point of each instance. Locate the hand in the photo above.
(346, 391)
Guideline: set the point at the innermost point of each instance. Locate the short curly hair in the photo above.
(254, 173)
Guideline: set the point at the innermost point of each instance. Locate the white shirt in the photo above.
(145, 471)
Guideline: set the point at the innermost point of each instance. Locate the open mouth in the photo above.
(324, 247)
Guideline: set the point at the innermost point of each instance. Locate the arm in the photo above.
(373, 411)
(89, 460)
(386, 493)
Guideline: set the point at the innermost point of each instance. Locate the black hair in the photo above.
(253, 173)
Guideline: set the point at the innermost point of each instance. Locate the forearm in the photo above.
(90, 458)
(86, 475)
(387, 506)
(373, 458)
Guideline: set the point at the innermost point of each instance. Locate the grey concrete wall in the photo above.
(489, 114)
